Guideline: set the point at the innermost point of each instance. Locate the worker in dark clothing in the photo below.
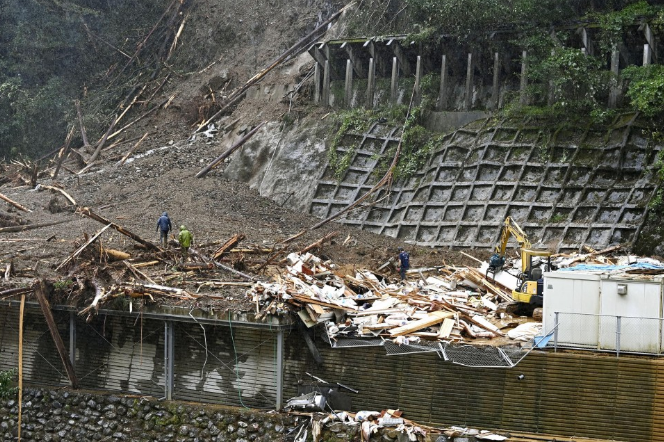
(404, 262)
(163, 227)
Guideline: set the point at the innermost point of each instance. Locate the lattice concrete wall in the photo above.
(566, 190)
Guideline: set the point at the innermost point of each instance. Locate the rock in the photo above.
(337, 427)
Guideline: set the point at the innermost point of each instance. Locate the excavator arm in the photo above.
(511, 228)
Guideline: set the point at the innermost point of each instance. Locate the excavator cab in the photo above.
(530, 288)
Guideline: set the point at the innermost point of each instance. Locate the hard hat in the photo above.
(182, 227)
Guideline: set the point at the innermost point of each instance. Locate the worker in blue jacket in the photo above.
(404, 262)
(163, 227)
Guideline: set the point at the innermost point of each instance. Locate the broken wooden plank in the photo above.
(228, 245)
(55, 334)
(14, 203)
(80, 249)
(413, 326)
(446, 328)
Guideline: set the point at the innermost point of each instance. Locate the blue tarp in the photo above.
(609, 268)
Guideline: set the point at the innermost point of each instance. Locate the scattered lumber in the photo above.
(430, 319)
(14, 203)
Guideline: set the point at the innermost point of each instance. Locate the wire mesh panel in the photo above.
(485, 356)
(339, 341)
(578, 330)
(231, 365)
(609, 332)
(393, 349)
(41, 361)
(121, 354)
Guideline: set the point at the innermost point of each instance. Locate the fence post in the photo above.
(169, 352)
(72, 339)
(280, 368)
(618, 320)
(555, 332)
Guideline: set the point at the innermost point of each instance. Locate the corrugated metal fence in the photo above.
(577, 394)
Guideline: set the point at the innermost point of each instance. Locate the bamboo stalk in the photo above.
(20, 364)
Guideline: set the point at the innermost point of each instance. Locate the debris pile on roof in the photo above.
(455, 305)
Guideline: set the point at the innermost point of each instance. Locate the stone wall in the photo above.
(64, 415)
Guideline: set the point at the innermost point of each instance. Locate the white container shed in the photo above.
(605, 311)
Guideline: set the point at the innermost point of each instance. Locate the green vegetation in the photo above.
(7, 382)
(52, 53)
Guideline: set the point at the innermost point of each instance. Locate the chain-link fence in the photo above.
(620, 334)
(466, 355)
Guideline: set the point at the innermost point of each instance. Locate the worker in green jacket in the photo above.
(186, 239)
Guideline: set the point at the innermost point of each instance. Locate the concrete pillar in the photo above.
(469, 83)
(348, 86)
(393, 84)
(169, 353)
(317, 83)
(326, 84)
(72, 339)
(418, 80)
(280, 369)
(370, 83)
(647, 54)
(615, 72)
(523, 97)
(441, 104)
(495, 93)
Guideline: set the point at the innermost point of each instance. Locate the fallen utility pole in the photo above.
(228, 153)
(90, 214)
(55, 334)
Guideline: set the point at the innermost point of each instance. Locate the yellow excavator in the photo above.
(530, 287)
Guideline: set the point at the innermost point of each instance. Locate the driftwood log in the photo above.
(14, 203)
(228, 153)
(55, 334)
(90, 214)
